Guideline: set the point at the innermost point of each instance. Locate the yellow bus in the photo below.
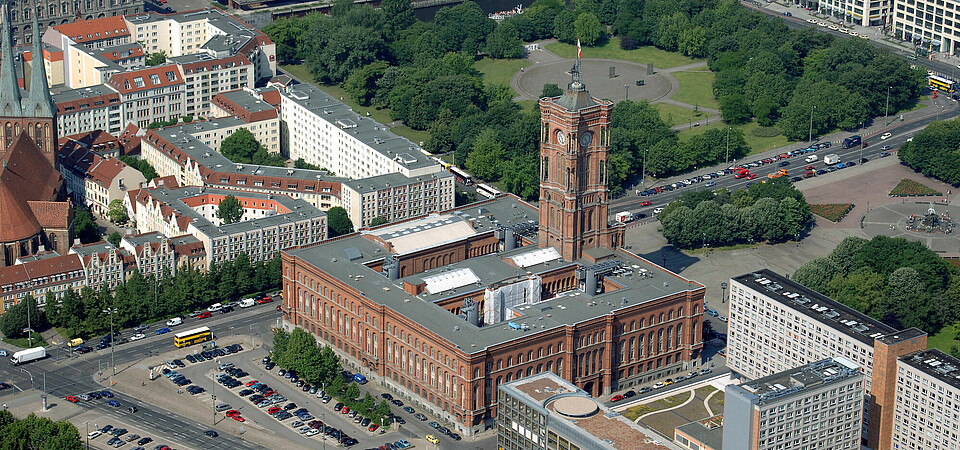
(941, 84)
(195, 336)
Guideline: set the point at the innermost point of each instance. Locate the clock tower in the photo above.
(574, 146)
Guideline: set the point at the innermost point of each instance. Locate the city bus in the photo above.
(486, 191)
(194, 336)
(461, 176)
(938, 83)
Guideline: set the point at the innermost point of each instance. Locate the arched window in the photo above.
(679, 334)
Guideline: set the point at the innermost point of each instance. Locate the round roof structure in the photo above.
(576, 406)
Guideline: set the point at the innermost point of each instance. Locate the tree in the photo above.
(116, 212)
(229, 210)
(362, 83)
(379, 220)
(338, 222)
(114, 238)
(84, 227)
(20, 316)
(588, 29)
(735, 109)
(301, 164)
(240, 146)
(37, 433)
(551, 90)
(486, 159)
(155, 59)
(141, 165)
(816, 274)
(504, 42)
(280, 340)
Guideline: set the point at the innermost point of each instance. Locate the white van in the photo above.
(247, 302)
(812, 158)
(174, 321)
(215, 307)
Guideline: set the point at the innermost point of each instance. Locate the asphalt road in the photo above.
(62, 374)
(900, 132)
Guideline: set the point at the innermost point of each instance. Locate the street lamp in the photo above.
(726, 161)
(886, 110)
(626, 92)
(810, 136)
(704, 243)
(643, 168)
(797, 238)
(113, 361)
(723, 292)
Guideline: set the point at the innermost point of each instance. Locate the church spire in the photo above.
(41, 104)
(9, 89)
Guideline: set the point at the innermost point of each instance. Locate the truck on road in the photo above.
(247, 302)
(624, 216)
(832, 158)
(852, 141)
(30, 354)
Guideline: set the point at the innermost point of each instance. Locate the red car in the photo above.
(252, 382)
(783, 156)
(616, 398)
(204, 315)
(72, 399)
(646, 203)
(751, 176)
(373, 427)
(264, 300)
(238, 418)
(345, 410)
(232, 413)
(767, 160)
(742, 175)
(274, 409)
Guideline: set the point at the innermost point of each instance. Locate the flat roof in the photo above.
(709, 431)
(842, 318)
(366, 130)
(393, 179)
(247, 101)
(570, 410)
(937, 364)
(346, 259)
(798, 379)
(174, 198)
(408, 236)
(68, 95)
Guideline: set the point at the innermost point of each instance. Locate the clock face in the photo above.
(561, 138)
(585, 139)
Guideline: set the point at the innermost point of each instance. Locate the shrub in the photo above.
(765, 131)
(909, 188)
(833, 212)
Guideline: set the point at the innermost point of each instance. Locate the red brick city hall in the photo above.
(445, 307)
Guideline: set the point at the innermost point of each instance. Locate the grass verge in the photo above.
(382, 115)
(676, 115)
(944, 340)
(757, 144)
(26, 343)
(611, 50)
(698, 251)
(499, 71)
(636, 411)
(696, 88)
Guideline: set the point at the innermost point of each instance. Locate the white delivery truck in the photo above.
(832, 158)
(812, 158)
(174, 321)
(30, 354)
(624, 216)
(247, 302)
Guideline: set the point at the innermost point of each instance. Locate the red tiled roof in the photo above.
(234, 109)
(91, 139)
(223, 63)
(106, 170)
(169, 182)
(52, 214)
(88, 103)
(126, 82)
(271, 96)
(25, 175)
(95, 29)
(46, 267)
(129, 139)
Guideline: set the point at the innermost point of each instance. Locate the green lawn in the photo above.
(611, 50)
(381, 115)
(499, 71)
(757, 144)
(943, 340)
(675, 115)
(25, 343)
(696, 88)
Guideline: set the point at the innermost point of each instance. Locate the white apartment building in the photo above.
(270, 223)
(94, 181)
(776, 324)
(928, 402)
(326, 133)
(160, 256)
(871, 13)
(38, 275)
(96, 107)
(209, 31)
(934, 26)
(206, 76)
(152, 94)
(396, 197)
(814, 406)
(103, 264)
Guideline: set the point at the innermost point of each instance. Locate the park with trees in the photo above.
(794, 82)
(933, 151)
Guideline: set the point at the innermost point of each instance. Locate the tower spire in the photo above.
(41, 102)
(9, 89)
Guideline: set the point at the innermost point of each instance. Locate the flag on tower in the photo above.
(578, 49)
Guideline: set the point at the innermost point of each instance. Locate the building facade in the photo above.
(814, 406)
(52, 13)
(95, 181)
(928, 401)
(775, 324)
(929, 26)
(395, 197)
(152, 94)
(544, 411)
(205, 77)
(46, 272)
(96, 107)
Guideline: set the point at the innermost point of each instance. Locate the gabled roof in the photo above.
(94, 30)
(147, 78)
(52, 214)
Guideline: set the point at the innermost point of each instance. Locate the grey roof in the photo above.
(247, 101)
(182, 136)
(710, 437)
(373, 184)
(575, 98)
(9, 90)
(173, 198)
(566, 309)
(842, 318)
(37, 257)
(92, 249)
(937, 364)
(40, 105)
(67, 95)
(799, 379)
(122, 47)
(364, 129)
(235, 35)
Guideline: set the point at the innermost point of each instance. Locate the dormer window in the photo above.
(138, 81)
